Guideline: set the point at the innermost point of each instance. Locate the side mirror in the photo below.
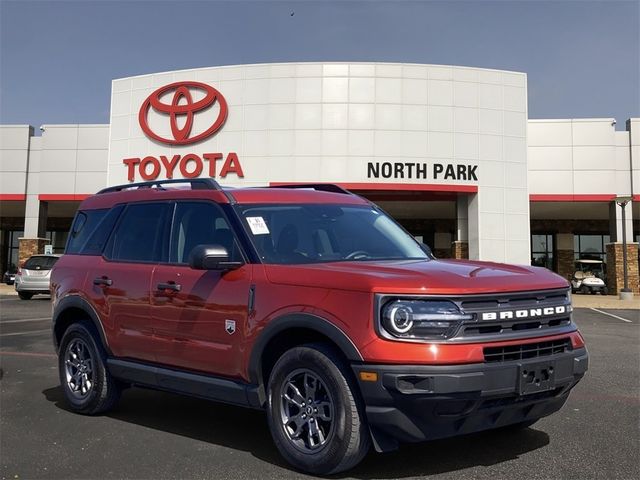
(211, 257)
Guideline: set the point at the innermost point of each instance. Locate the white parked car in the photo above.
(34, 276)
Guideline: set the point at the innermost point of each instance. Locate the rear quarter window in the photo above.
(83, 226)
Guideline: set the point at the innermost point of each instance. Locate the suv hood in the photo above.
(418, 276)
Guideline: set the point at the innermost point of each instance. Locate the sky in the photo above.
(57, 58)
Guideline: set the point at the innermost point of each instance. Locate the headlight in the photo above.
(421, 319)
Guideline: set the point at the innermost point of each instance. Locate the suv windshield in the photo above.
(40, 263)
(295, 234)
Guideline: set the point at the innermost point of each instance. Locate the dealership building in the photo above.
(448, 151)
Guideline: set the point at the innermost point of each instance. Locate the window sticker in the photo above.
(257, 226)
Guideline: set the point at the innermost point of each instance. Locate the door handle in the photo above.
(103, 281)
(173, 286)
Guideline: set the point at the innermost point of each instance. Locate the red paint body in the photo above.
(185, 329)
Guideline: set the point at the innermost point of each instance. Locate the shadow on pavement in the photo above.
(247, 430)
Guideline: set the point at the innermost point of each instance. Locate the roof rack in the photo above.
(321, 187)
(195, 183)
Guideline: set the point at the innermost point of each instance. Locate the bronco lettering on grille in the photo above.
(528, 313)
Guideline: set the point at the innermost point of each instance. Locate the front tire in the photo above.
(314, 413)
(88, 386)
(25, 295)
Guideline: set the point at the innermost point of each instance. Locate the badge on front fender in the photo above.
(230, 326)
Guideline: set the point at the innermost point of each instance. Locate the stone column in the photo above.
(565, 261)
(615, 267)
(460, 250)
(35, 228)
(29, 247)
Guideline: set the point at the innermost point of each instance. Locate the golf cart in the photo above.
(589, 277)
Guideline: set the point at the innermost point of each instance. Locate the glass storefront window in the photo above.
(542, 250)
(14, 245)
(590, 247)
(58, 240)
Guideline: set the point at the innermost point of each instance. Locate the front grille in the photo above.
(529, 324)
(526, 351)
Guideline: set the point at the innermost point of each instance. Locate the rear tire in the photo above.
(25, 295)
(88, 386)
(327, 435)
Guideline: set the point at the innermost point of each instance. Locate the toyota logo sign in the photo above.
(182, 105)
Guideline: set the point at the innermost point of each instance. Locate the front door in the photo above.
(199, 316)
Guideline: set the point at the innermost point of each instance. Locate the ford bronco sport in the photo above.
(312, 304)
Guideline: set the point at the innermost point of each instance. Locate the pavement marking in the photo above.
(28, 354)
(25, 320)
(611, 315)
(48, 330)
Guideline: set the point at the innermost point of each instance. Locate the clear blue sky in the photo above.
(57, 58)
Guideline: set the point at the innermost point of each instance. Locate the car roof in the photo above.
(261, 195)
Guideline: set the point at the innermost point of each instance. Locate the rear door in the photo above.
(120, 280)
(199, 316)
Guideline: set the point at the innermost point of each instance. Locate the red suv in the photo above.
(312, 304)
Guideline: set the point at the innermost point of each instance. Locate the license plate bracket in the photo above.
(536, 377)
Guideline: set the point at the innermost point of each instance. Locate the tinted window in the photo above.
(40, 263)
(141, 234)
(200, 223)
(100, 235)
(83, 226)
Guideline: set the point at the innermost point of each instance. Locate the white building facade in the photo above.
(448, 151)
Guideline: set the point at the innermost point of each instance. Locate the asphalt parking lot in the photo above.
(156, 435)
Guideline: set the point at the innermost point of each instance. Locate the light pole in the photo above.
(625, 293)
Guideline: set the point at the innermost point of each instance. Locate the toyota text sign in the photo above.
(175, 104)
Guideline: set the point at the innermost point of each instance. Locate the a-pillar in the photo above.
(460, 247)
(35, 228)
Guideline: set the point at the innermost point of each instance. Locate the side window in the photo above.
(83, 226)
(200, 223)
(141, 235)
(95, 243)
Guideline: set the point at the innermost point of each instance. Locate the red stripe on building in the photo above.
(7, 197)
(62, 197)
(572, 198)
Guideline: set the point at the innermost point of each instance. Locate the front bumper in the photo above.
(416, 403)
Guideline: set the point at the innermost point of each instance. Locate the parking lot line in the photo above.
(33, 332)
(611, 315)
(27, 354)
(25, 320)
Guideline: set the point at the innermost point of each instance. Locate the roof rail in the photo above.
(321, 187)
(196, 184)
